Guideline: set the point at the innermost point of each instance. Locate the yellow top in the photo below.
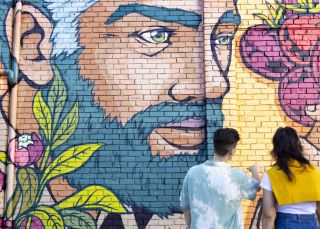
(304, 187)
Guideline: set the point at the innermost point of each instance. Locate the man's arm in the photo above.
(187, 217)
(268, 209)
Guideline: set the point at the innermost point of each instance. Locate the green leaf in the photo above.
(69, 161)
(279, 15)
(93, 198)
(57, 96)
(42, 114)
(28, 181)
(49, 217)
(293, 7)
(310, 4)
(271, 9)
(302, 2)
(12, 203)
(268, 21)
(67, 127)
(77, 219)
(315, 10)
(3, 157)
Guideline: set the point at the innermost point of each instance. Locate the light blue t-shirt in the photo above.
(213, 191)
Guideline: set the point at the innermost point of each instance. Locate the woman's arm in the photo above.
(318, 212)
(268, 209)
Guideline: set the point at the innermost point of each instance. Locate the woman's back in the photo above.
(296, 196)
(304, 186)
(291, 186)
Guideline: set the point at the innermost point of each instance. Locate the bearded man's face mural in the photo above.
(152, 122)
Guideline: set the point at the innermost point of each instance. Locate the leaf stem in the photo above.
(45, 158)
(14, 199)
(20, 219)
(28, 225)
(42, 167)
(40, 191)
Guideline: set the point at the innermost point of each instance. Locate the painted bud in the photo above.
(36, 223)
(25, 149)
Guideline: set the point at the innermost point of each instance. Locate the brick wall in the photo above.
(118, 99)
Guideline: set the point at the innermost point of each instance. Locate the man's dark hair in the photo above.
(225, 140)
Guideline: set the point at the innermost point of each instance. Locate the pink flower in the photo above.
(2, 181)
(36, 223)
(26, 148)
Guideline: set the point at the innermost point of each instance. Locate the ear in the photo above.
(34, 59)
(233, 151)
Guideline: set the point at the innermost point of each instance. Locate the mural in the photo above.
(286, 49)
(114, 106)
(118, 99)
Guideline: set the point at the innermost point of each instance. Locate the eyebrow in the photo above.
(230, 17)
(183, 17)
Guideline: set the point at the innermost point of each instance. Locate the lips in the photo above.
(189, 123)
(185, 135)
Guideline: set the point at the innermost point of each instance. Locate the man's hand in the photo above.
(255, 170)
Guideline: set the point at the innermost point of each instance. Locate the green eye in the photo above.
(158, 39)
(159, 36)
(155, 36)
(223, 40)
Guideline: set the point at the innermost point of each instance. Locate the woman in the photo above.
(291, 188)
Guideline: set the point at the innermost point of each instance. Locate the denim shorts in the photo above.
(295, 221)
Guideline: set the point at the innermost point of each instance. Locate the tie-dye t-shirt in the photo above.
(213, 191)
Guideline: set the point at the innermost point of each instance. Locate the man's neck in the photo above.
(217, 158)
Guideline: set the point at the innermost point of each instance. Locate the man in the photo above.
(212, 192)
(137, 72)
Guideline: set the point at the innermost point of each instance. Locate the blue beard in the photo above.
(125, 164)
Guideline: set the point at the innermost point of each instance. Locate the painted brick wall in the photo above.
(118, 99)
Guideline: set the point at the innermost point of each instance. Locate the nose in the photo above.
(201, 78)
(216, 81)
(188, 92)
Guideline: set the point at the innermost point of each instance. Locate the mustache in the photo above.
(155, 116)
